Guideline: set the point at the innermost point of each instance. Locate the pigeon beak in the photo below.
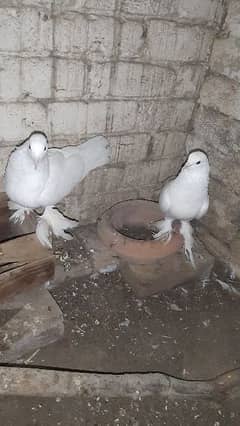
(187, 165)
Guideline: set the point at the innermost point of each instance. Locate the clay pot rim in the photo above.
(129, 248)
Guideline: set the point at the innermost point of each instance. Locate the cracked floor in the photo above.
(190, 332)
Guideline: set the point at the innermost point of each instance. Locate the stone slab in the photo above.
(36, 322)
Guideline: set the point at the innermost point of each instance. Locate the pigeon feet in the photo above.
(19, 215)
(165, 230)
(54, 222)
(186, 231)
(59, 223)
(189, 256)
(43, 233)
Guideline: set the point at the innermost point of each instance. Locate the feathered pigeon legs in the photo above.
(186, 231)
(52, 221)
(43, 233)
(19, 215)
(165, 230)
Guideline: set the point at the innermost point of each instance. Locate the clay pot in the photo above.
(135, 213)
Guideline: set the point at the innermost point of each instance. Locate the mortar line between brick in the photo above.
(75, 138)
(139, 17)
(53, 74)
(82, 58)
(197, 103)
(115, 54)
(213, 73)
(44, 101)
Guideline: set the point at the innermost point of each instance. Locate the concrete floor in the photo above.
(191, 332)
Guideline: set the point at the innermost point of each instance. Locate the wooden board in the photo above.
(8, 229)
(24, 262)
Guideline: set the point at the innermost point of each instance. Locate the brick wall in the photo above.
(129, 69)
(216, 126)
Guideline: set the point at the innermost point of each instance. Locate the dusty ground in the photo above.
(190, 332)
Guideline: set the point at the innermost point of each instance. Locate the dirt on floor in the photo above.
(191, 332)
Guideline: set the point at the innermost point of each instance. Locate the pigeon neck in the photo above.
(196, 177)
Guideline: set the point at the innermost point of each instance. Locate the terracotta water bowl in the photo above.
(117, 226)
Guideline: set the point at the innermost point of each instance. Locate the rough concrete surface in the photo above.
(191, 332)
(191, 335)
(32, 320)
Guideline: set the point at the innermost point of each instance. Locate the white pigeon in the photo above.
(185, 198)
(39, 177)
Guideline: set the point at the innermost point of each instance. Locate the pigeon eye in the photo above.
(29, 147)
(198, 162)
(45, 148)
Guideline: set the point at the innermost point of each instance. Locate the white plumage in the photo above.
(185, 198)
(37, 177)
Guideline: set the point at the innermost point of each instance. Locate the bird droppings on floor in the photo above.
(103, 412)
(191, 332)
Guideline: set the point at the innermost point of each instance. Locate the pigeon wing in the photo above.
(203, 209)
(164, 200)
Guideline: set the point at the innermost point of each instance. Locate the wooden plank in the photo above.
(26, 276)
(24, 262)
(25, 248)
(8, 229)
(36, 323)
